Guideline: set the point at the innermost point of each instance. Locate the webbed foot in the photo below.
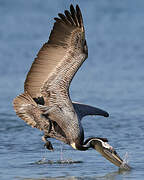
(47, 144)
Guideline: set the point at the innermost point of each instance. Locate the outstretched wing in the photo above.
(84, 110)
(60, 58)
(27, 109)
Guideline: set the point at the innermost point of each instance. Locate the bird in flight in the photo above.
(46, 104)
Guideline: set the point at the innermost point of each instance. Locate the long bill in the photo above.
(107, 151)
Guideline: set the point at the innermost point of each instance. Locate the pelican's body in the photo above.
(45, 103)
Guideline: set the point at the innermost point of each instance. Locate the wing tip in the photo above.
(72, 17)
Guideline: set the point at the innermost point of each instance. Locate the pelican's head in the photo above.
(101, 145)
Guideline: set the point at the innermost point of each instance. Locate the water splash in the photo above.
(61, 153)
(124, 165)
(62, 160)
(125, 158)
(66, 161)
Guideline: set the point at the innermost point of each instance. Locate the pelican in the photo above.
(46, 104)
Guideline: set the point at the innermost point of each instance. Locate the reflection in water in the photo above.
(109, 176)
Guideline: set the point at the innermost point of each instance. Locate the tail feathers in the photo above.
(24, 106)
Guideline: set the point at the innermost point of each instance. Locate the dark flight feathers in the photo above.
(49, 77)
(53, 53)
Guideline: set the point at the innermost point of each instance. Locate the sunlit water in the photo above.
(112, 78)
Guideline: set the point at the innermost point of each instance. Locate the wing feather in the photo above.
(66, 41)
(74, 15)
(64, 18)
(27, 109)
(69, 17)
(84, 110)
(79, 16)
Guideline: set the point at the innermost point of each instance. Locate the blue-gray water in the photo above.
(112, 78)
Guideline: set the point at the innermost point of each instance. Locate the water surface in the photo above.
(112, 78)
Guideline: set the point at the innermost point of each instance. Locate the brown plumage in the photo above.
(48, 80)
(46, 100)
(66, 41)
(45, 103)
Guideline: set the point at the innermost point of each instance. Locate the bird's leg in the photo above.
(47, 124)
(47, 144)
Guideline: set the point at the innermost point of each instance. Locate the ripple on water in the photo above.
(112, 78)
(66, 161)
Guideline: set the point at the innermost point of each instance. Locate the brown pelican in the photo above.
(46, 104)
